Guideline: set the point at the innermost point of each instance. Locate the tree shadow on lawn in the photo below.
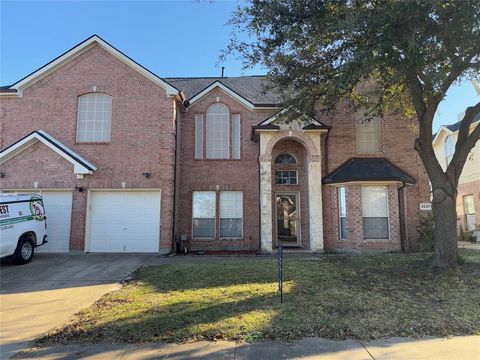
(360, 298)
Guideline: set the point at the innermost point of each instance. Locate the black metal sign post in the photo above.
(280, 270)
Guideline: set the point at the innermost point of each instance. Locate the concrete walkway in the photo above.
(457, 348)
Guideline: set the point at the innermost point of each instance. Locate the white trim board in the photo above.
(217, 84)
(80, 165)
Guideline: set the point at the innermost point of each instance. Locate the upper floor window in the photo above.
(449, 148)
(285, 159)
(222, 134)
(369, 135)
(94, 118)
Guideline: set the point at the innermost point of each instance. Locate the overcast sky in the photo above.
(178, 38)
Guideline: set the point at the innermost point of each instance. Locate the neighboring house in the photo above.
(130, 162)
(468, 198)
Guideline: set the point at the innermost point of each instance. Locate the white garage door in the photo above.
(124, 221)
(58, 207)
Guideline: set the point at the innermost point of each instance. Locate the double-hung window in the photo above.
(469, 210)
(204, 214)
(229, 215)
(375, 212)
(369, 135)
(217, 134)
(342, 213)
(94, 117)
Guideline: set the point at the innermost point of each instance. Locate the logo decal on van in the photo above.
(36, 208)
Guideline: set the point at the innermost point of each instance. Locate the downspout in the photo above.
(175, 203)
(401, 214)
(259, 203)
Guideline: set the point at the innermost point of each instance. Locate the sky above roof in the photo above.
(170, 38)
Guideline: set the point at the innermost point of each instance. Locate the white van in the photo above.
(23, 226)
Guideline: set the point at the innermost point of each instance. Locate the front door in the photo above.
(287, 219)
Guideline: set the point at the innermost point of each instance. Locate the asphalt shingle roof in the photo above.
(252, 88)
(456, 126)
(367, 169)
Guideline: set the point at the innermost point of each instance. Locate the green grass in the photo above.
(337, 297)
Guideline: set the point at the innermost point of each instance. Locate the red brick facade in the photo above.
(144, 138)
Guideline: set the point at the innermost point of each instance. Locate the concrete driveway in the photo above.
(39, 296)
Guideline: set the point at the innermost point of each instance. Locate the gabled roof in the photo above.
(367, 169)
(452, 128)
(81, 166)
(74, 52)
(252, 91)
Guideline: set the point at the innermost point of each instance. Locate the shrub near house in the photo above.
(213, 161)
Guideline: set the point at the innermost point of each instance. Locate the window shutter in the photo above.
(198, 136)
(236, 136)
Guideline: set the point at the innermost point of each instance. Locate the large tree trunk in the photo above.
(445, 218)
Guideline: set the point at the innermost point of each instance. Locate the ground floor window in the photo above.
(231, 214)
(204, 214)
(469, 211)
(342, 213)
(375, 212)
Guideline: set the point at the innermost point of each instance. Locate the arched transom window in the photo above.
(449, 148)
(94, 118)
(285, 159)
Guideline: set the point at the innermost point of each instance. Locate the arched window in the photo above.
(449, 148)
(217, 132)
(94, 118)
(285, 159)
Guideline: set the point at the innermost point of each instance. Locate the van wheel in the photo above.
(24, 252)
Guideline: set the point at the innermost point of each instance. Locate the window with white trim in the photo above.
(286, 177)
(94, 117)
(375, 212)
(231, 214)
(199, 136)
(369, 134)
(235, 136)
(469, 210)
(449, 148)
(204, 214)
(342, 213)
(217, 134)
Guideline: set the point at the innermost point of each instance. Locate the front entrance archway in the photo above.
(310, 235)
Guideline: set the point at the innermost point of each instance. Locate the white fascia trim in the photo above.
(443, 128)
(448, 131)
(55, 145)
(218, 84)
(42, 72)
(280, 113)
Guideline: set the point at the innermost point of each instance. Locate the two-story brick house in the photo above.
(128, 161)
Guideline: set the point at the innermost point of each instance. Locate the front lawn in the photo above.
(337, 297)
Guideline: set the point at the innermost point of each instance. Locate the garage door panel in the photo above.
(122, 221)
(58, 207)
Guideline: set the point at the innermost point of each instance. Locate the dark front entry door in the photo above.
(287, 215)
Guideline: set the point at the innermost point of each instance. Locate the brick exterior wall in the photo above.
(220, 175)
(398, 137)
(142, 137)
